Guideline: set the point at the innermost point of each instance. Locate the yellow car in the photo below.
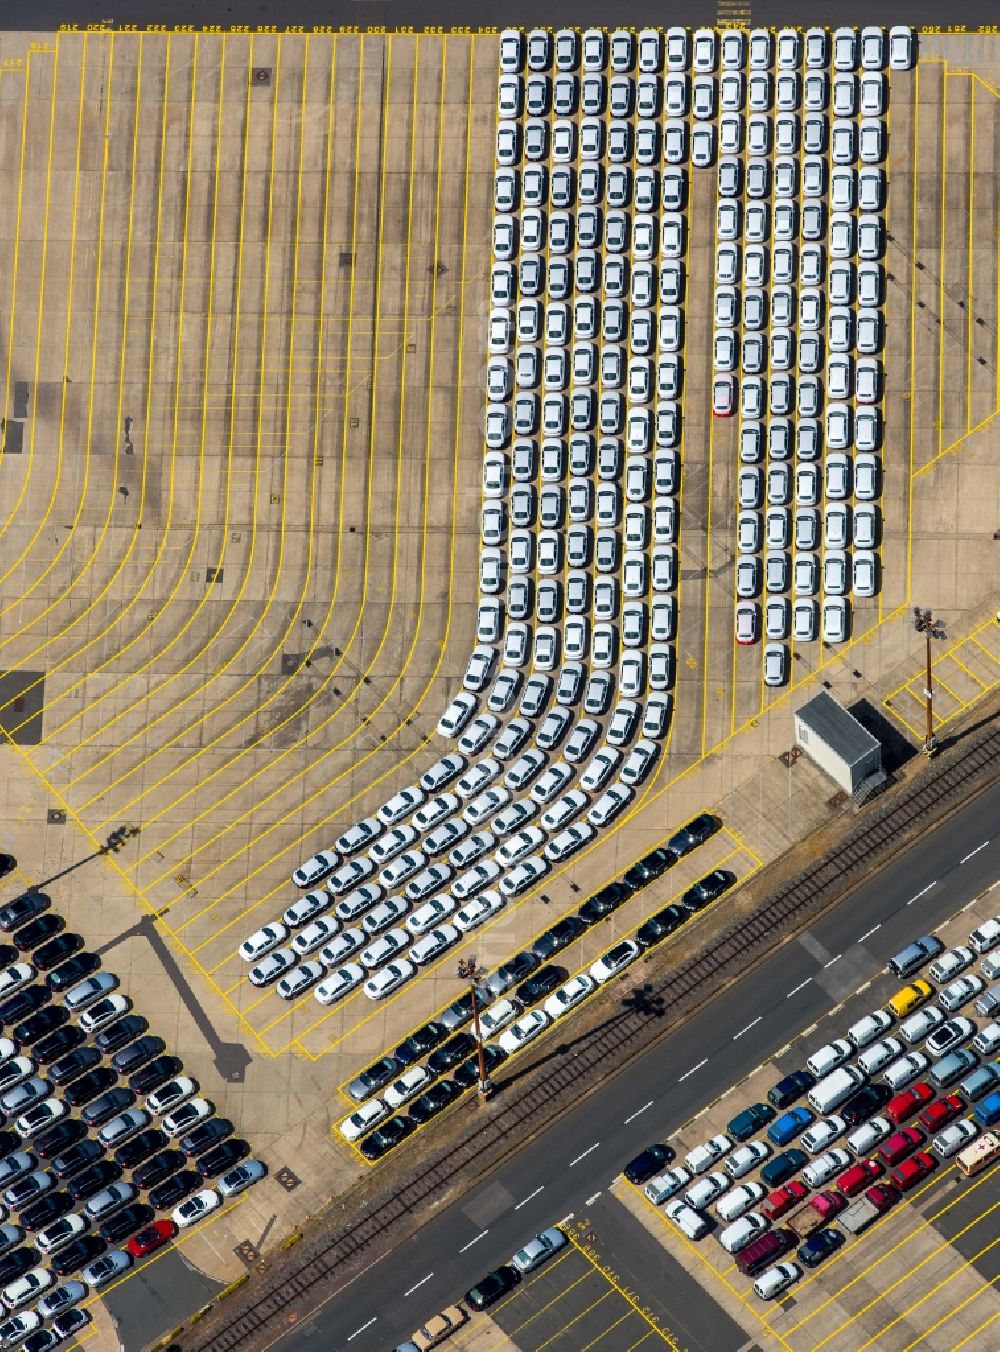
(440, 1327)
(906, 1001)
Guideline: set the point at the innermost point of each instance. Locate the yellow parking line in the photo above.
(876, 1259)
(913, 333)
(969, 1336)
(911, 1271)
(968, 288)
(613, 1282)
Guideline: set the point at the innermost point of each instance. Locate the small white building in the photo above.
(837, 742)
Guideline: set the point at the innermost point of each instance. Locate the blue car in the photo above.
(788, 1126)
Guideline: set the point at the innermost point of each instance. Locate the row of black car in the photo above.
(536, 982)
(75, 1064)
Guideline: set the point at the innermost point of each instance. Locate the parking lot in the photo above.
(921, 1275)
(243, 490)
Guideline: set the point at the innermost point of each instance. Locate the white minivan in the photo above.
(831, 1092)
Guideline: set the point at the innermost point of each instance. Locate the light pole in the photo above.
(470, 971)
(925, 623)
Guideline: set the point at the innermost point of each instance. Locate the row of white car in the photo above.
(705, 49)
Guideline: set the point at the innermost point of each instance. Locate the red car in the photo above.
(883, 1196)
(852, 1180)
(778, 1203)
(900, 1144)
(151, 1237)
(904, 1105)
(827, 1204)
(942, 1112)
(911, 1171)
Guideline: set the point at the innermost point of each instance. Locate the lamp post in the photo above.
(470, 971)
(925, 623)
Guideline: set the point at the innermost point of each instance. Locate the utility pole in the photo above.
(470, 971)
(925, 623)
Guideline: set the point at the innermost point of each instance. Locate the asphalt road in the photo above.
(553, 1175)
(49, 14)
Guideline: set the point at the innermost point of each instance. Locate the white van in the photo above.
(990, 965)
(776, 1279)
(986, 936)
(664, 1186)
(738, 1235)
(828, 1058)
(687, 1219)
(831, 1092)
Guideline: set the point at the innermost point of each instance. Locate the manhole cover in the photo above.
(56, 816)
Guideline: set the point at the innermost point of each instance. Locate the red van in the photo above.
(858, 1176)
(900, 1144)
(904, 1105)
(761, 1253)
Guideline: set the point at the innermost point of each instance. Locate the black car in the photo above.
(77, 1157)
(47, 1208)
(141, 1147)
(561, 934)
(781, 1167)
(8, 954)
(71, 971)
(661, 924)
(383, 1138)
(141, 1051)
(222, 1157)
(45, 1021)
(60, 1042)
(433, 1101)
(372, 1079)
(206, 1134)
(451, 1053)
(648, 1163)
(88, 1086)
(494, 1285)
(123, 1032)
(744, 1124)
(509, 973)
(104, 1108)
(157, 1072)
(707, 889)
(156, 1169)
(70, 1322)
(78, 1254)
(16, 1263)
(25, 1002)
(792, 1087)
(7, 864)
(602, 903)
(174, 1190)
(865, 1103)
(126, 1222)
(467, 1074)
(819, 1246)
(541, 983)
(59, 1137)
(418, 1044)
(9, 1140)
(457, 1015)
(40, 929)
(694, 834)
(22, 909)
(644, 870)
(57, 950)
(74, 1063)
(94, 1178)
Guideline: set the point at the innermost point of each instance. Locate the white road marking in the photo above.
(566, 1219)
(701, 1063)
(965, 858)
(585, 1154)
(922, 893)
(756, 1021)
(362, 1328)
(482, 1234)
(832, 961)
(868, 933)
(528, 1199)
(637, 1112)
(419, 1284)
(591, 1200)
(800, 986)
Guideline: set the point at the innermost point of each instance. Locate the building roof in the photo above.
(837, 728)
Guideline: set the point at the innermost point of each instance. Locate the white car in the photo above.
(615, 960)
(822, 1133)
(703, 1157)
(865, 1138)
(196, 1208)
(478, 911)
(314, 870)
(523, 1030)
(822, 1169)
(363, 1119)
(955, 1137)
(188, 1115)
(270, 968)
(389, 979)
(339, 983)
(497, 1016)
(901, 47)
(263, 941)
(746, 1157)
(432, 945)
(171, 1095)
(570, 994)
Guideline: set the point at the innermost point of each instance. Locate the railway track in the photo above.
(309, 1267)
